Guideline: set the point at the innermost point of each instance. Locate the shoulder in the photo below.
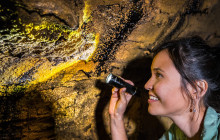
(211, 124)
(211, 117)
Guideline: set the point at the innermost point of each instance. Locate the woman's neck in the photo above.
(190, 123)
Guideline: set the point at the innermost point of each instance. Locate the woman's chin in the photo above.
(152, 111)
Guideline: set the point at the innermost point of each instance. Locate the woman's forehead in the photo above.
(162, 58)
(163, 62)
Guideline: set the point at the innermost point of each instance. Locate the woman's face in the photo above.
(165, 95)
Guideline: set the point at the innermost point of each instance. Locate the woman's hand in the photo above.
(118, 104)
(119, 101)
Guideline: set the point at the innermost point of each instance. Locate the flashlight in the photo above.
(119, 83)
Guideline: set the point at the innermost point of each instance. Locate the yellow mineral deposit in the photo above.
(46, 70)
(86, 11)
(15, 71)
(30, 28)
(96, 42)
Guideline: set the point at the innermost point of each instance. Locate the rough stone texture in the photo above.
(46, 97)
(65, 11)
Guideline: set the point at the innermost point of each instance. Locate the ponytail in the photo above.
(216, 53)
(212, 98)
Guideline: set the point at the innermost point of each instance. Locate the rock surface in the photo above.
(55, 56)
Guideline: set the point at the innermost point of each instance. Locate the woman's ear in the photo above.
(201, 87)
(197, 92)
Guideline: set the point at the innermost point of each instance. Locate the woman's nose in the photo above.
(149, 84)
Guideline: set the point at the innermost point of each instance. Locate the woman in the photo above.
(184, 86)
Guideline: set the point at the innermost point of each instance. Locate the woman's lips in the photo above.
(152, 98)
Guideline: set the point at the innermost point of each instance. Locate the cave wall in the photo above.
(55, 56)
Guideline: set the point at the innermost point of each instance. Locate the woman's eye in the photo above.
(158, 75)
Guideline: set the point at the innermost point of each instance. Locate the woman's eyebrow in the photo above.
(158, 69)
